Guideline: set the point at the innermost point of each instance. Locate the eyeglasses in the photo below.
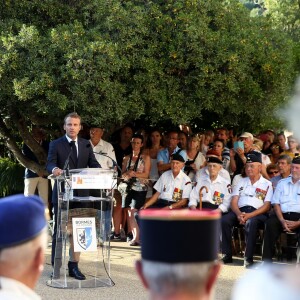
(273, 172)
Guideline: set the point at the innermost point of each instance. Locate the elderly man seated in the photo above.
(173, 187)
(204, 171)
(287, 208)
(250, 203)
(213, 190)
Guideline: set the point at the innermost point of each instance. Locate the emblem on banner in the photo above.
(84, 233)
(84, 237)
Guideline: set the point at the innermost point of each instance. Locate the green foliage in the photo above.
(12, 177)
(285, 14)
(116, 61)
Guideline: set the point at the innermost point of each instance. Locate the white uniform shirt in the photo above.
(253, 195)
(287, 194)
(11, 289)
(173, 189)
(108, 150)
(218, 193)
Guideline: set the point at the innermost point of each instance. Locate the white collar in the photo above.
(70, 140)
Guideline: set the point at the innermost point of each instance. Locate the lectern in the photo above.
(85, 200)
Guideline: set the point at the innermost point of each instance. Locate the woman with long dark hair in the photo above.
(135, 171)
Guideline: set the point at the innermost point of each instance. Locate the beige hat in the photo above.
(247, 135)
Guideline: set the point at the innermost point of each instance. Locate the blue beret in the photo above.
(21, 219)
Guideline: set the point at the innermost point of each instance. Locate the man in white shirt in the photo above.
(251, 200)
(173, 187)
(104, 151)
(23, 240)
(105, 155)
(215, 190)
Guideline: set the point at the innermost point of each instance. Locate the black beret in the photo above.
(177, 156)
(296, 160)
(213, 159)
(169, 235)
(253, 156)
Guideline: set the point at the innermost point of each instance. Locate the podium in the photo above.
(85, 200)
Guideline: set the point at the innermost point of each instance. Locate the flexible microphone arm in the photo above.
(113, 161)
(67, 165)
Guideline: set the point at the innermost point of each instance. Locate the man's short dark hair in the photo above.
(285, 157)
(72, 115)
(138, 136)
(223, 129)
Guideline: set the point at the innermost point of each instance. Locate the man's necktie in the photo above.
(74, 152)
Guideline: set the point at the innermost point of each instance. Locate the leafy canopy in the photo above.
(116, 61)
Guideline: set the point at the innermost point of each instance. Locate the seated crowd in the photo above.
(252, 181)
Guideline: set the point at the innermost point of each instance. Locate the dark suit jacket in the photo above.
(58, 153)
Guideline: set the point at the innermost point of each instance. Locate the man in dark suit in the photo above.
(80, 155)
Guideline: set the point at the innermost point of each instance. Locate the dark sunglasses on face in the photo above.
(273, 172)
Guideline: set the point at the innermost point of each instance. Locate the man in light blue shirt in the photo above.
(286, 202)
(164, 155)
(284, 165)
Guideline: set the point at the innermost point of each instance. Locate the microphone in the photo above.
(66, 165)
(113, 161)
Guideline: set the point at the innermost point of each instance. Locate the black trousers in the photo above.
(273, 229)
(207, 205)
(161, 203)
(251, 228)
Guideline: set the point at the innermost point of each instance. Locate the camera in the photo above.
(188, 168)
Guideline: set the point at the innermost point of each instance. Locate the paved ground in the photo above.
(127, 284)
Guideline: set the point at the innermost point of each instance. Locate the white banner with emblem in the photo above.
(84, 234)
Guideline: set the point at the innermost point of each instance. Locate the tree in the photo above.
(286, 14)
(116, 61)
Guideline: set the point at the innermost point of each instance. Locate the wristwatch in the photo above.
(170, 206)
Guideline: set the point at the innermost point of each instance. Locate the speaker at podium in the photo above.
(85, 200)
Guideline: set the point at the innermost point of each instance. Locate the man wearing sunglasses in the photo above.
(272, 170)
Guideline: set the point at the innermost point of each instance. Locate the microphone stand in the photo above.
(67, 165)
(113, 161)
